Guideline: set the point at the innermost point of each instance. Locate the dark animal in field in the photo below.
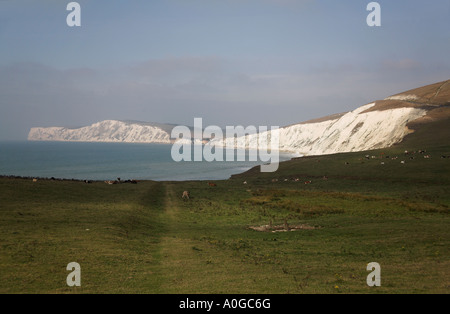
(212, 184)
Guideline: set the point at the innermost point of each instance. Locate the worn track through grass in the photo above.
(176, 253)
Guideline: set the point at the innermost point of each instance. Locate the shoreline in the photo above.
(37, 160)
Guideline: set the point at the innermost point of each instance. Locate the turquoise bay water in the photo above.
(108, 161)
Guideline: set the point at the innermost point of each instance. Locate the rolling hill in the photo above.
(380, 124)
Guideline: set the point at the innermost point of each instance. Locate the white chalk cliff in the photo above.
(376, 125)
(380, 124)
(354, 131)
(104, 131)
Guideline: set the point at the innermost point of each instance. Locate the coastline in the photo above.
(100, 161)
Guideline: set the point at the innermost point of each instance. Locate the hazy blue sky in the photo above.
(248, 62)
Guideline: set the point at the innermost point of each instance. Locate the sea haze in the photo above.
(108, 161)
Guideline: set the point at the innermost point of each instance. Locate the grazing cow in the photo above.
(274, 180)
(35, 180)
(185, 195)
(308, 182)
(245, 182)
(402, 162)
(130, 181)
(212, 184)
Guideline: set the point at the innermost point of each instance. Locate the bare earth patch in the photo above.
(282, 228)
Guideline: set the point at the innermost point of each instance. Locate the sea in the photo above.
(109, 161)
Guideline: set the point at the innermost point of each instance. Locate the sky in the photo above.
(230, 62)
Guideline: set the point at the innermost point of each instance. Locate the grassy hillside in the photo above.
(112, 233)
(144, 238)
(274, 234)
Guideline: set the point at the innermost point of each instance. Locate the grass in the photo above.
(112, 234)
(145, 238)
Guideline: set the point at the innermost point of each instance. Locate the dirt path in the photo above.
(439, 90)
(177, 255)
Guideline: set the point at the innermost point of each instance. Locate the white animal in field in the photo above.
(185, 195)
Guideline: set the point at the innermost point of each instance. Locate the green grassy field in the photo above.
(145, 238)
